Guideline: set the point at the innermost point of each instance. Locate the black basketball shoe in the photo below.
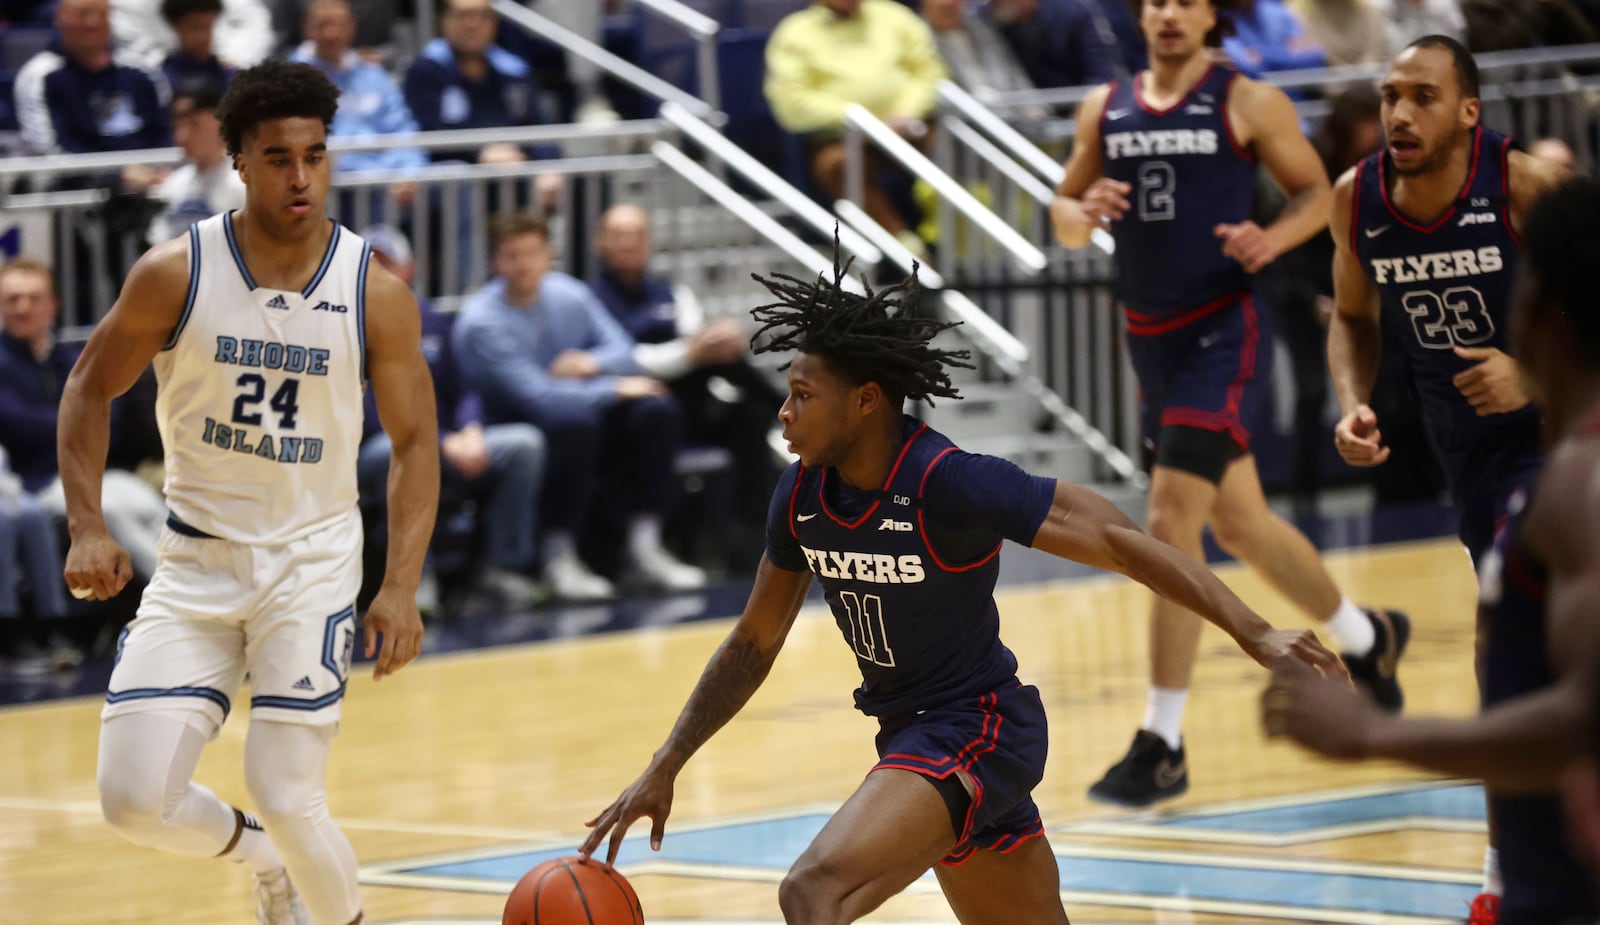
(1378, 670)
(1151, 771)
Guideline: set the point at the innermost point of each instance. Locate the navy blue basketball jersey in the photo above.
(1544, 882)
(1188, 174)
(1444, 285)
(909, 570)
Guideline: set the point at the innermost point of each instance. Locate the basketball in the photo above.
(572, 891)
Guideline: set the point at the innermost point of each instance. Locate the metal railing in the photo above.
(703, 29)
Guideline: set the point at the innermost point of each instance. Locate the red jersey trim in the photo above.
(822, 484)
(922, 524)
(1472, 174)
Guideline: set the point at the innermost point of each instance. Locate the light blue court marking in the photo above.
(771, 845)
(1462, 802)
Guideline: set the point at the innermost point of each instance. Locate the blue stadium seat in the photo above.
(742, 69)
(19, 43)
(8, 106)
(762, 15)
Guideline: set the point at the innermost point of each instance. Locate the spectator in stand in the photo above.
(30, 551)
(75, 97)
(1509, 25)
(499, 465)
(541, 349)
(1348, 31)
(374, 29)
(726, 401)
(834, 53)
(239, 32)
(33, 370)
(1266, 37)
(585, 18)
(206, 182)
(194, 23)
(369, 101)
(978, 58)
(1057, 41)
(1410, 20)
(1127, 39)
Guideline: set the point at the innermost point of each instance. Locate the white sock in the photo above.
(644, 534)
(253, 848)
(1163, 714)
(560, 545)
(1351, 629)
(1492, 883)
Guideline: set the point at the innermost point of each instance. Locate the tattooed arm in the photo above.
(739, 666)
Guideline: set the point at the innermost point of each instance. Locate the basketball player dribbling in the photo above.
(1539, 579)
(904, 531)
(264, 325)
(1166, 162)
(1426, 245)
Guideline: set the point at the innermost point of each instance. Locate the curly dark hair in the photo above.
(174, 10)
(274, 90)
(1560, 236)
(1224, 28)
(877, 337)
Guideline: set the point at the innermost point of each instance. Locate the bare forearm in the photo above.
(1354, 350)
(1073, 227)
(729, 681)
(1520, 746)
(83, 432)
(413, 504)
(1305, 214)
(1181, 579)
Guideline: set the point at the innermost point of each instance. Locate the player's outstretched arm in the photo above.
(734, 673)
(1355, 343)
(1085, 527)
(122, 345)
(1085, 200)
(403, 387)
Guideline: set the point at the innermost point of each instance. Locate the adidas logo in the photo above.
(278, 302)
(304, 684)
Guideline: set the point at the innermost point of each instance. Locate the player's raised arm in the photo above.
(1272, 128)
(1085, 200)
(122, 345)
(1355, 343)
(403, 387)
(732, 676)
(1085, 527)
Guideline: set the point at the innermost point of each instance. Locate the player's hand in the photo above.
(1105, 201)
(393, 616)
(1494, 386)
(650, 795)
(96, 563)
(1320, 713)
(1246, 243)
(632, 387)
(466, 451)
(575, 364)
(1358, 439)
(717, 343)
(1273, 646)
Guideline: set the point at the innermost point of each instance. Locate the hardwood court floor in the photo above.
(453, 776)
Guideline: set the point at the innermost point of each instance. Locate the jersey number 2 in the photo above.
(1458, 316)
(285, 401)
(1157, 181)
(868, 635)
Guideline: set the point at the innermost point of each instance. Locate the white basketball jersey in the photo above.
(260, 392)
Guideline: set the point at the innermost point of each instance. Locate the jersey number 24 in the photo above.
(285, 401)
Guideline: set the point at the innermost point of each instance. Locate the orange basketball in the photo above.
(572, 891)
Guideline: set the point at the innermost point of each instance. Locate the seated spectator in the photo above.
(541, 349)
(584, 18)
(29, 552)
(206, 182)
(33, 371)
(463, 80)
(1120, 18)
(1509, 25)
(144, 31)
(374, 29)
(876, 53)
(1556, 151)
(1266, 37)
(194, 22)
(500, 465)
(369, 101)
(726, 401)
(74, 97)
(979, 60)
(1058, 41)
(1348, 31)
(1409, 20)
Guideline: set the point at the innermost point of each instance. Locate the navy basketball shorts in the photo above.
(1000, 739)
(1482, 503)
(1202, 374)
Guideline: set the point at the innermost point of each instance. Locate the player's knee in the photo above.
(1174, 523)
(810, 886)
(132, 806)
(1234, 531)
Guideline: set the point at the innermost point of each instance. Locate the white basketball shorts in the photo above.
(215, 609)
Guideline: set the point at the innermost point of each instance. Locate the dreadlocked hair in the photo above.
(877, 337)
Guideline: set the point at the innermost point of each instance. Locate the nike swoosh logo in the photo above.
(1116, 114)
(1374, 232)
(1208, 340)
(1168, 774)
(802, 518)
